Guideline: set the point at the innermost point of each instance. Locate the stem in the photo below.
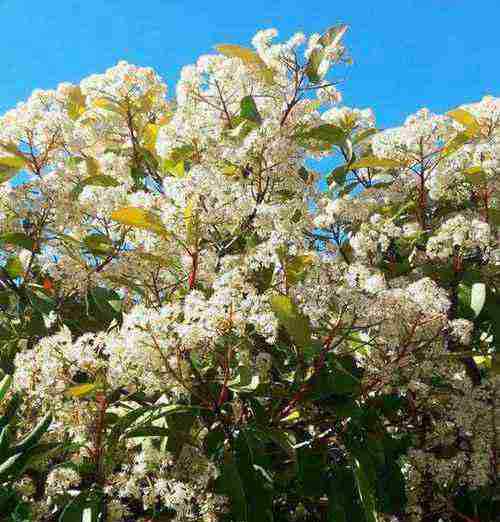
(194, 270)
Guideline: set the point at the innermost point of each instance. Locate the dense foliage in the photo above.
(196, 330)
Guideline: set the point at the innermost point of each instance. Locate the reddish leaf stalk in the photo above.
(194, 270)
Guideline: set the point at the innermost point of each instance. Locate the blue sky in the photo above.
(407, 53)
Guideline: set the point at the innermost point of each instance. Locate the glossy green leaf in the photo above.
(364, 475)
(18, 239)
(249, 110)
(34, 436)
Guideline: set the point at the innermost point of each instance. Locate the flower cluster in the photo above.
(215, 336)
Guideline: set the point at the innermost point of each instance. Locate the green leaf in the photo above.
(312, 67)
(106, 303)
(14, 267)
(477, 297)
(5, 439)
(34, 436)
(9, 466)
(10, 410)
(330, 38)
(295, 323)
(182, 153)
(494, 216)
(333, 35)
(339, 496)
(312, 463)
(98, 244)
(100, 180)
(328, 133)
(338, 175)
(231, 484)
(373, 162)
(249, 110)
(5, 385)
(362, 135)
(245, 382)
(148, 431)
(296, 268)
(18, 239)
(139, 218)
(364, 475)
(86, 507)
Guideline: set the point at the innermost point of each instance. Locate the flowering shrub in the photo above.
(214, 336)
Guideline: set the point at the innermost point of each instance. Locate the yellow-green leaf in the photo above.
(81, 390)
(455, 144)
(475, 175)
(139, 218)
(295, 415)
(333, 35)
(92, 166)
(76, 103)
(100, 180)
(174, 168)
(230, 170)
(109, 105)
(373, 162)
(295, 267)
(295, 323)
(150, 134)
(14, 267)
(12, 162)
(467, 120)
(248, 56)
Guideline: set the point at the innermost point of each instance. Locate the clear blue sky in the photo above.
(407, 53)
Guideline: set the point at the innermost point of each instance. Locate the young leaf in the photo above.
(248, 56)
(100, 180)
(175, 168)
(12, 162)
(81, 390)
(373, 162)
(139, 218)
(76, 103)
(466, 119)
